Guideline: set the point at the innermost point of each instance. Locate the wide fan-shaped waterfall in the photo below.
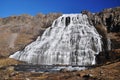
(71, 40)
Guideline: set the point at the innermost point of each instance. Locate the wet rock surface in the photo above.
(72, 41)
(110, 56)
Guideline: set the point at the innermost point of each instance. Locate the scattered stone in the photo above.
(79, 75)
(12, 74)
(64, 70)
(101, 72)
(27, 79)
(87, 75)
(11, 68)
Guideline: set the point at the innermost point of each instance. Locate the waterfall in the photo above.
(71, 40)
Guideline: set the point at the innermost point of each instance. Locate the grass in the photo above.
(8, 61)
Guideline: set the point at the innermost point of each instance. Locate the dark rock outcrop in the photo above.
(110, 56)
(108, 17)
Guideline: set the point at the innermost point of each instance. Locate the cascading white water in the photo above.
(71, 40)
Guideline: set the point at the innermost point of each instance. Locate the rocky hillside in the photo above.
(18, 31)
(110, 18)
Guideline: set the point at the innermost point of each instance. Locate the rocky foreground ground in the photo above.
(108, 71)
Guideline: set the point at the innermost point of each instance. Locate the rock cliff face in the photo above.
(110, 18)
(71, 40)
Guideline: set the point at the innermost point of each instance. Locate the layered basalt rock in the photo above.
(71, 40)
(108, 17)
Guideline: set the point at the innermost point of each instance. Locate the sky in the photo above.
(33, 7)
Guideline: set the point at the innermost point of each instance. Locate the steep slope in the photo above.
(18, 31)
(110, 19)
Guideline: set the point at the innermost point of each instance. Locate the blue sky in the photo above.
(33, 7)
